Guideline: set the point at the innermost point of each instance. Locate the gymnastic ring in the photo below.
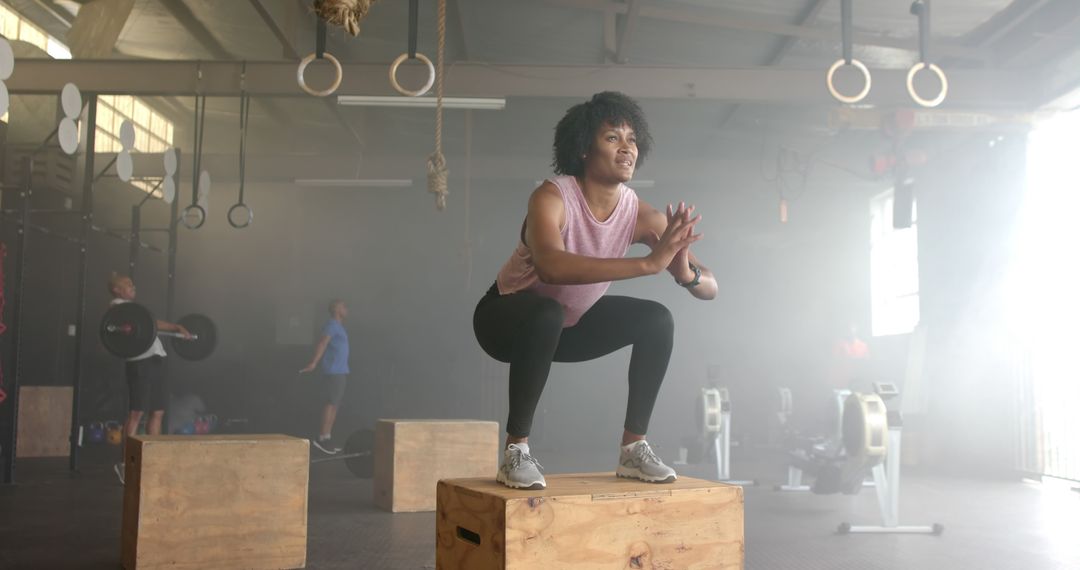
(397, 86)
(243, 223)
(919, 66)
(840, 96)
(303, 67)
(197, 209)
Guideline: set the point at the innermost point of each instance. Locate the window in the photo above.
(1042, 300)
(894, 270)
(153, 132)
(14, 27)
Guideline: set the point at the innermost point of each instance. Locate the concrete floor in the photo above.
(54, 519)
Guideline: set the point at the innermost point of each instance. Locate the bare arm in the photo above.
(706, 288)
(320, 349)
(172, 327)
(653, 223)
(556, 266)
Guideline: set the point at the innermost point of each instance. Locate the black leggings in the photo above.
(526, 330)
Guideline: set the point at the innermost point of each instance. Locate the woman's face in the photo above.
(613, 155)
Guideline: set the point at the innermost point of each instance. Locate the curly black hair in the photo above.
(575, 131)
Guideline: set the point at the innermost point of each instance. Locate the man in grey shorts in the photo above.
(333, 351)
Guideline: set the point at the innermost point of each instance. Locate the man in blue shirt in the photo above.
(333, 351)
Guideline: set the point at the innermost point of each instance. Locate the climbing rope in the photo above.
(436, 165)
(344, 13)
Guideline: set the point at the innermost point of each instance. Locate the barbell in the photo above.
(358, 454)
(129, 329)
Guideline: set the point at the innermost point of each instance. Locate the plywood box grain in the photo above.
(215, 502)
(589, 521)
(44, 421)
(411, 456)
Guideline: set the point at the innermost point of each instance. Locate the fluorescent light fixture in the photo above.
(481, 103)
(354, 182)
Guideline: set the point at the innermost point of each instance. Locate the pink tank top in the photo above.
(582, 234)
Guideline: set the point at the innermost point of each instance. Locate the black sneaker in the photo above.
(326, 446)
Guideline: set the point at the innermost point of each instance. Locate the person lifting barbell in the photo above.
(145, 372)
(129, 330)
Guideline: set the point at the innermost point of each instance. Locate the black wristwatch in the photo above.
(696, 280)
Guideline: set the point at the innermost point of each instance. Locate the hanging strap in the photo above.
(200, 127)
(846, 29)
(921, 8)
(320, 38)
(245, 108)
(414, 16)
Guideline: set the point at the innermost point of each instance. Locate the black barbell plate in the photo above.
(361, 442)
(197, 348)
(127, 330)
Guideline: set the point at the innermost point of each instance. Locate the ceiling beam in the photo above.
(630, 22)
(172, 107)
(284, 168)
(721, 18)
(993, 88)
(97, 27)
(1057, 35)
(1065, 96)
(268, 19)
(457, 18)
(987, 35)
(1006, 21)
(186, 18)
(290, 50)
(202, 34)
(807, 16)
(62, 17)
(611, 39)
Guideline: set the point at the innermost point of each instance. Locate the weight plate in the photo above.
(71, 101)
(68, 135)
(125, 167)
(5, 98)
(170, 160)
(7, 60)
(127, 330)
(127, 135)
(168, 190)
(205, 332)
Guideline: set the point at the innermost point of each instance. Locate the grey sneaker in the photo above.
(326, 446)
(639, 462)
(519, 470)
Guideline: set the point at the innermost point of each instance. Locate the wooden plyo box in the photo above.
(412, 455)
(44, 421)
(215, 501)
(592, 520)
